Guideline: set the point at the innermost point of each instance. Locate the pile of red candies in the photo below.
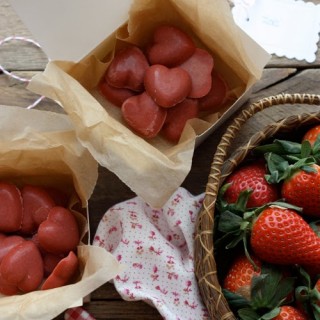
(158, 89)
(38, 239)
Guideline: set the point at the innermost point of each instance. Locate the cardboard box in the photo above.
(152, 169)
(41, 148)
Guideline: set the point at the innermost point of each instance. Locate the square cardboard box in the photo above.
(152, 169)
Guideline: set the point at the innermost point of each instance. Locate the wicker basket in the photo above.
(222, 165)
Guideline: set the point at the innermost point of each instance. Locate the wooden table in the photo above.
(280, 76)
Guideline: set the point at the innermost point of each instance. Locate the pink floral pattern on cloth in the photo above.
(157, 246)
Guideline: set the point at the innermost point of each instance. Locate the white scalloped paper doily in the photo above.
(282, 27)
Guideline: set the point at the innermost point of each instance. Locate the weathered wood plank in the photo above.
(120, 310)
(20, 56)
(17, 55)
(271, 76)
(14, 93)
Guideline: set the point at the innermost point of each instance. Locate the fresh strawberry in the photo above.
(251, 177)
(277, 234)
(239, 277)
(312, 134)
(302, 189)
(282, 236)
(295, 166)
(289, 313)
(256, 290)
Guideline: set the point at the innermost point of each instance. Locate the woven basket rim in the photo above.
(222, 165)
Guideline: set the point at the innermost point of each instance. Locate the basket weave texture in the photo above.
(222, 165)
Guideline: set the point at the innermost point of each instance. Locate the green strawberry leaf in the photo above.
(248, 314)
(238, 207)
(290, 147)
(278, 168)
(316, 145)
(285, 205)
(306, 149)
(304, 278)
(271, 314)
(308, 299)
(229, 222)
(316, 311)
(280, 147)
(270, 288)
(235, 300)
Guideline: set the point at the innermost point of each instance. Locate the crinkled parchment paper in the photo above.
(40, 147)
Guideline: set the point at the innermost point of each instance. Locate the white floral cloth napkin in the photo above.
(157, 247)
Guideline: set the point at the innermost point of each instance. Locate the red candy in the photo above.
(127, 69)
(7, 288)
(52, 233)
(172, 72)
(167, 87)
(143, 115)
(11, 208)
(62, 273)
(7, 243)
(50, 261)
(22, 267)
(59, 233)
(116, 96)
(177, 118)
(36, 203)
(216, 96)
(199, 66)
(170, 46)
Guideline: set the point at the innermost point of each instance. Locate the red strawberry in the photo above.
(281, 236)
(251, 176)
(258, 289)
(301, 189)
(290, 313)
(239, 276)
(312, 134)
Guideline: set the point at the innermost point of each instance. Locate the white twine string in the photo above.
(10, 74)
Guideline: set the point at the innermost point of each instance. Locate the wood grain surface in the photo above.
(281, 75)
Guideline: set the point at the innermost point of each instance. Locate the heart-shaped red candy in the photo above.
(199, 66)
(63, 273)
(143, 115)
(22, 267)
(36, 205)
(217, 95)
(7, 288)
(177, 118)
(170, 46)
(166, 86)
(11, 207)
(7, 243)
(115, 95)
(50, 261)
(60, 232)
(127, 69)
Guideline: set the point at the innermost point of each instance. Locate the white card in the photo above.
(69, 29)
(283, 27)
